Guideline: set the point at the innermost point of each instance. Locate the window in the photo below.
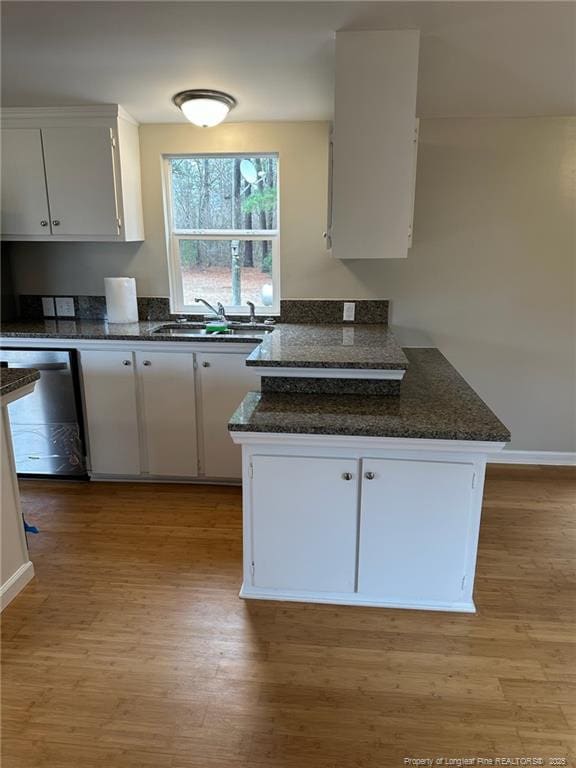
(222, 226)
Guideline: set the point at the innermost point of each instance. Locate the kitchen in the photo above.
(387, 327)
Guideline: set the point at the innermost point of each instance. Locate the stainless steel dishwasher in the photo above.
(47, 429)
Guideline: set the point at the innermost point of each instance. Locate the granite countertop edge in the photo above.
(315, 347)
(364, 366)
(435, 403)
(406, 433)
(13, 379)
(142, 331)
(342, 347)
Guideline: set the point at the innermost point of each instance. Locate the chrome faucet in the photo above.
(220, 312)
(253, 320)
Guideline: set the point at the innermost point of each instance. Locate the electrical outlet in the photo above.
(348, 337)
(48, 306)
(349, 311)
(65, 306)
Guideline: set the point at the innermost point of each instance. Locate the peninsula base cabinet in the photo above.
(298, 544)
(153, 413)
(373, 526)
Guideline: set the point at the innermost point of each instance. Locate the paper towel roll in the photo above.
(121, 304)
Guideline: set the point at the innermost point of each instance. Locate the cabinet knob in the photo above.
(347, 476)
(146, 362)
(126, 362)
(43, 223)
(55, 222)
(369, 475)
(205, 364)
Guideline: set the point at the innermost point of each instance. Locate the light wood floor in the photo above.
(132, 649)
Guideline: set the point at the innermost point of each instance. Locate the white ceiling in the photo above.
(276, 58)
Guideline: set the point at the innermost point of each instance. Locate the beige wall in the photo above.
(490, 278)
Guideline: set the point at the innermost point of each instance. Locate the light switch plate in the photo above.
(349, 311)
(64, 306)
(48, 306)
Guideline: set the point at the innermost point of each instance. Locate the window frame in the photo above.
(173, 236)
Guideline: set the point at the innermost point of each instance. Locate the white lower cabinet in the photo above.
(157, 413)
(414, 520)
(224, 380)
(168, 413)
(335, 526)
(140, 412)
(304, 523)
(111, 413)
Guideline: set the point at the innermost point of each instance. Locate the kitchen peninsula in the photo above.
(362, 463)
(358, 497)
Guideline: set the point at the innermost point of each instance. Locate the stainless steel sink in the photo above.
(237, 330)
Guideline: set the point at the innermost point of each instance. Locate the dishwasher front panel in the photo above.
(46, 425)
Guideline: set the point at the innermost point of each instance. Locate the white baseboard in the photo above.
(100, 478)
(551, 458)
(15, 584)
(351, 598)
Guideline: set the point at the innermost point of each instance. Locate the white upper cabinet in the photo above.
(81, 182)
(374, 144)
(24, 198)
(71, 174)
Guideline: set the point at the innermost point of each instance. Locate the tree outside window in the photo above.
(223, 219)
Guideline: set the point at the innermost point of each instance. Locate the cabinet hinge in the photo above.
(463, 582)
(113, 140)
(252, 569)
(474, 480)
(250, 470)
(119, 221)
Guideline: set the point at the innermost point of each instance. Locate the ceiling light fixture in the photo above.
(204, 108)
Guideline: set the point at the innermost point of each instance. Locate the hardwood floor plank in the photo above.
(131, 649)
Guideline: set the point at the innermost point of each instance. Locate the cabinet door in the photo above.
(304, 523)
(24, 200)
(373, 167)
(224, 381)
(111, 413)
(168, 412)
(414, 528)
(81, 180)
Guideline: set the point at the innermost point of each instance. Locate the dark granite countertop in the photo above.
(100, 329)
(330, 346)
(435, 403)
(12, 379)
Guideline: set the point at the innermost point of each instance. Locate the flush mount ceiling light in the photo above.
(204, 108)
